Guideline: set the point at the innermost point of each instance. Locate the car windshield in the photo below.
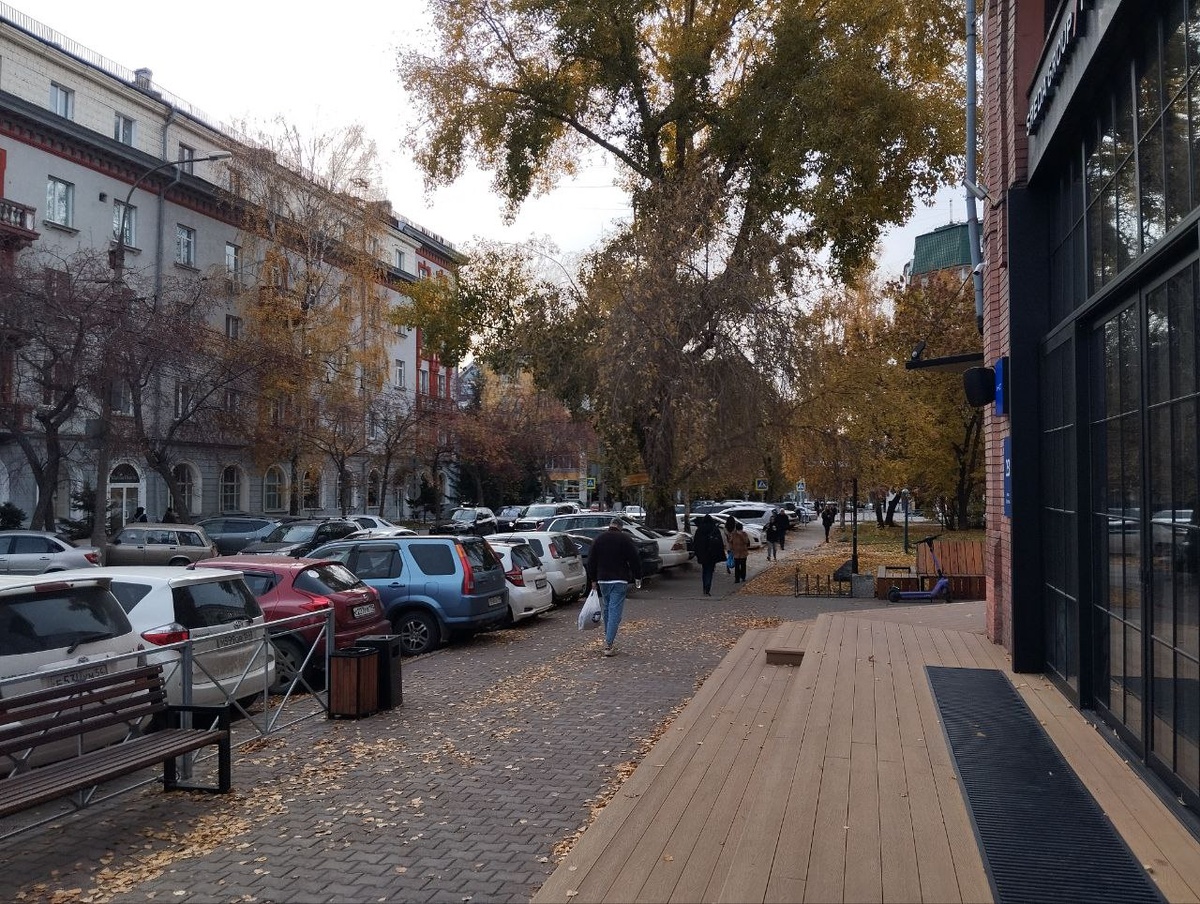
(541, 511)
(463, 515)
(292, 533)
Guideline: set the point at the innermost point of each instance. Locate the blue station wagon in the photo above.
(430, 587)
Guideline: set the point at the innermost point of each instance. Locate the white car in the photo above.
(529, 590)
(372, 522)
(60, 630)
(211, 608)
(672, 545)
(753, 531)
(560, 557)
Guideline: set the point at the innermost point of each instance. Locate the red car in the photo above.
(285, 587)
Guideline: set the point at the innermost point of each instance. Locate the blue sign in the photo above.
(1001, 369)
(1007, 454)
(761, 484)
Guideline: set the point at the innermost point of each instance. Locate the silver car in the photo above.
(38, 551)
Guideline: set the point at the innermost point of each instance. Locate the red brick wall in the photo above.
(1012, 33)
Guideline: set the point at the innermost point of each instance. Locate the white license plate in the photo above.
(234, 639)
(539, 583)
(495, 601)
(76, 676)
(572, 567)
(363, 611)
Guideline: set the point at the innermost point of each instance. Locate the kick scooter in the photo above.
(940, 589)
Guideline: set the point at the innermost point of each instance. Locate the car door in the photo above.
(128, 548)
(29, 554)
(5, 552)
(380, 566)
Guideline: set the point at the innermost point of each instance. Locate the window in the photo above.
(185, 246)
(311, 490)
(183, 400)
(399, 259)
(441, 385)
(187, 158)
(123, 129)
(120, 399)
(62, 100)
(278, 412)
(423, 382)
(231, 489)
(233, 401)
(60, 202)
(233, 263)
(233, 327)
(185, 481)
(274, 489)
(400, 377)
(129, 213)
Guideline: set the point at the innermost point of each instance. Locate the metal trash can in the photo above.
(353, 683)
(391, 690)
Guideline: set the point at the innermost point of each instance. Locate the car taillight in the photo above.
(515, 576)
(172, 633)
(468, 581)
(93, 557)
(554, 551)
(314, 603)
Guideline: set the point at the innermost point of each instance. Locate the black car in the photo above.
(232, 533)
(467, 519)
(507, 517)
(647, 549)
(298, 538)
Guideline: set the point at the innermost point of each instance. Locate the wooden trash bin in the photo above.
(353, 683)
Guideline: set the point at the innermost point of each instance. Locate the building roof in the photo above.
(947, 247)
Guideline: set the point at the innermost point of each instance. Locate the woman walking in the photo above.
(739, 545)
(709, 548)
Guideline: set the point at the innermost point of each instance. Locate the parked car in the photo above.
(529, 591)
(674, 546)
(371, 522)
(381, 532)
(299, 538)
(40, 552)
(63, 631)
(232, 533)
(559, 555)
(466, 519)
(584, 543)
(593, 523)
(537, 516)
(430, 586)
(286, 587)
(159, 544)
(634, 513)
(507, 518)
(212, 608)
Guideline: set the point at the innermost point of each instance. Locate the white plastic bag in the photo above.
(589, 615)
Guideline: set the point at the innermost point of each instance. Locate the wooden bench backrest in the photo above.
(961, 557)
(54, 714)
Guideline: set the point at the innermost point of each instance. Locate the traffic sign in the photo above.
(800, 487)
(761, 484)
(591, 483)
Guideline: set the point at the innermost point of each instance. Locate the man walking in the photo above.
(612, 564)
(710, 549)
(782, 524)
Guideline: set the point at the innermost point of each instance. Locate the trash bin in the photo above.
(391, 691)
(353, 683)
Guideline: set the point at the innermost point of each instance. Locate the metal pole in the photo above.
(906, 522)
(854, 529)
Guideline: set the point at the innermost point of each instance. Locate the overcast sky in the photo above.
(255, 59)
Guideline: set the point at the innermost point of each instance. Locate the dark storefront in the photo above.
(1113, 200)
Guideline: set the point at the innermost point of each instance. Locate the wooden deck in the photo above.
(830, 779)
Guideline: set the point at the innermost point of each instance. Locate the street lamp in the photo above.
(905, 497)
(116, 257)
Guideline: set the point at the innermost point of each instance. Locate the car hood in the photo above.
(281, 549)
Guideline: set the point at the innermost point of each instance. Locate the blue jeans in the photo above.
(612, 604)
(770, 549)
(706, 575)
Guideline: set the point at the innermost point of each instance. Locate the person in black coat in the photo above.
(709, 548)
(612, 565)
(782, 523)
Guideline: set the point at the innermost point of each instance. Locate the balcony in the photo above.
(16, 226)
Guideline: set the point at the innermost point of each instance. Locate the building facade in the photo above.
(1092, 296)
(96, 158)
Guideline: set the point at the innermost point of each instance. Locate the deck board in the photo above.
(831, 780)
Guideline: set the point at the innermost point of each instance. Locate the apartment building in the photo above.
(97, 162)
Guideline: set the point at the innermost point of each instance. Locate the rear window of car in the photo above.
(433, 558)
(538, 549)
(34, 622)
(565, 546)
(214, 603)
(327, 578)
(524, 557)
(259, 583)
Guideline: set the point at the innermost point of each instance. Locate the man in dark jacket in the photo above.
(612, 564)
(782, 523)
(710, 549)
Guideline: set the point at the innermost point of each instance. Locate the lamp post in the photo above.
(116, 258)
(905, 497)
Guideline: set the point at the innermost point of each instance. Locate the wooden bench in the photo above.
(962, 563)
(120, 703)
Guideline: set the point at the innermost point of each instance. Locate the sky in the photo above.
(256, 59)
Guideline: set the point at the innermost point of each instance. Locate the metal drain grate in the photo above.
(1044, 837)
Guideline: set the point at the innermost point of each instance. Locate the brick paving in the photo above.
(502, 748)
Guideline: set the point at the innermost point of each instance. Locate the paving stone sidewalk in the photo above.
(504, 745)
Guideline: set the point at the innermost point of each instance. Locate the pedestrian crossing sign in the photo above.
(761, 484)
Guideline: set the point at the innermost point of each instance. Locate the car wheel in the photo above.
(289, 656)
(418, 632)
(180, 560)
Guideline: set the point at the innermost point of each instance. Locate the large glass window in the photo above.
(60, 202)
(274, 490)
(231, 489)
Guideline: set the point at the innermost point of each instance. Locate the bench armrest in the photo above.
(222, 714)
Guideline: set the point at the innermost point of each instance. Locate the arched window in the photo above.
(311, 495)
(231, 489)
(373, 490)
(274, 490)
(185, 479)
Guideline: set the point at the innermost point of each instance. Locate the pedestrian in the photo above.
(739, 545)
(169, 516)
(782, 524)
(139, 514)
(828, 514)
(709, 549)
(731, 524)
(771, 535)
(612, 564)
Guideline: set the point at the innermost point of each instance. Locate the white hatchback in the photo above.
(560, 557)
(529, 590)
(212, 610)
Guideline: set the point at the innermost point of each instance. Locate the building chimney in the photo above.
(144, 79)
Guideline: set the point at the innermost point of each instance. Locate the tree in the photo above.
(753, 137)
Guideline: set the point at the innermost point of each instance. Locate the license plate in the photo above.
(234, 639)
(495, 601)
(539, 583)
(76, 676)
(572, 567)
(363, 611)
